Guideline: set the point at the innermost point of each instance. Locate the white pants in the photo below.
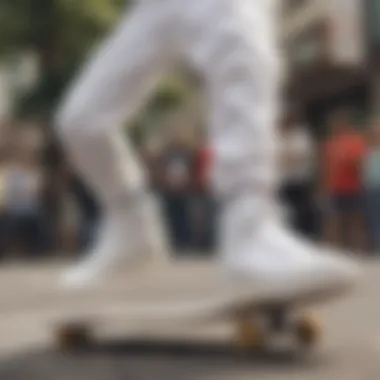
(232, 46)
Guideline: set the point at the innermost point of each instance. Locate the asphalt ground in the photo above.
(350, 349)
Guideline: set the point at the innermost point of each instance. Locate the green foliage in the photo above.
(170, 95)
(72, 23)
(61, 32)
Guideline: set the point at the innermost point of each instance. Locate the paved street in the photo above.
(350, 351)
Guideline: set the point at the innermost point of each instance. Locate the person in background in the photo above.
(151, 153)
(203, 210)
(54, 169)
(344, 153)
(4, 230)
(89, 211)
(371, 179)
(298, 168)
(177, 162)
(22, 202)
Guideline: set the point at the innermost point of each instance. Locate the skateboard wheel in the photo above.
(250, 335)
(73, 336)
(308, 330)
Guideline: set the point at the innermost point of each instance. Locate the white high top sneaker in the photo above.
(130, 233)
(263, 259)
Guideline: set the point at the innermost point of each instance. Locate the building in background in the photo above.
(329, 60)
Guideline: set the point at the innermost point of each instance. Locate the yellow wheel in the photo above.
(72, 337)
(308, 330)
(250, 336)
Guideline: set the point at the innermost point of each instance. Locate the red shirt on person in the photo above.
(203, 168)
(343, 155)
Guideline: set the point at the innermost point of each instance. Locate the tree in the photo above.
(60, 33)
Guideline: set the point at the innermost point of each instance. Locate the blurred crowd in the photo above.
(179, 167)
(330, 187)
(46, 209)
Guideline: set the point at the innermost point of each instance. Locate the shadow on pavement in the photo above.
(140, 360)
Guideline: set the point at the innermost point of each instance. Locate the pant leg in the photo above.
(4, 234)
(210, 216)
(288, 195)
(109, 93)
(376, 220)
(170, 209)
(33, 232)
(42, 239)
(90, 219)
(306, 222)
(183, 222)
(373, 217)
(370, 216)
(177, 219)
(87, 231)
(28, 227)
(233, 46)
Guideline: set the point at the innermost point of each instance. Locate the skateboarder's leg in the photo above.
(233, 44)
(108, 94)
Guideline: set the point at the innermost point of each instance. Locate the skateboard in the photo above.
(255, 328)
(186, 294)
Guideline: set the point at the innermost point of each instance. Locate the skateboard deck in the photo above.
(177, 293)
